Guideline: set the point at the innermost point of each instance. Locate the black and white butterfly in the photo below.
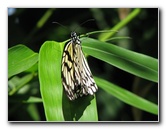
(76, 75)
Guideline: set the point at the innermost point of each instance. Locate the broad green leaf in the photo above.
(50, 80)
(127, 97)
(81, 109)
(135, 63)
(32, 69)
(56, 104)
(20, 58)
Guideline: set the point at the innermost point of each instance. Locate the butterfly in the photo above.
(77, 78)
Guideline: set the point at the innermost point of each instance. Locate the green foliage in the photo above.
(57, 106)
(17, 57)
(34, 79)
(121, 24)
(50, 80)
(19, 83)
(127, 96)
(135, 63)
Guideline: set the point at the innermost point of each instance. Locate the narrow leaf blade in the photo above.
(127, 97)
(135, 63)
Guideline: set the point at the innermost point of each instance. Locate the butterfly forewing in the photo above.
(76, 75)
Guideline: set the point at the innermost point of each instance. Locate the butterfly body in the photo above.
(76, 75)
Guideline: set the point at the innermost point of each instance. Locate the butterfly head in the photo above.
(75, 38)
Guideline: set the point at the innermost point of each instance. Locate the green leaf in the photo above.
(19, 83)
(33, 99)
(33, 111)
(81, 109)
(20, 58)
(127, 97)
(56, 104)
(121, 24)
(18, 98)
(32, 69)
(135, 63)
(50, 80)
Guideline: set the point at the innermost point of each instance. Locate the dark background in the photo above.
(143, 31)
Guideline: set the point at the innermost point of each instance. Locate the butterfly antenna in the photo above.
(84, 23)
(61, 25)
(87, 21)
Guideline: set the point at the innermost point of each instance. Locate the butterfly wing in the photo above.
(86, 79)
(68, 79)
(76, 76)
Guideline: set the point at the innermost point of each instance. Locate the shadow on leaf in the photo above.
(74, 110)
